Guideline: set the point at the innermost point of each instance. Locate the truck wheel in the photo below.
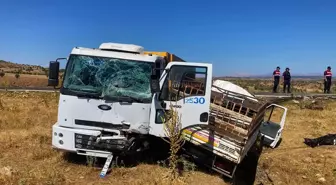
(257, 147)
(247, 169)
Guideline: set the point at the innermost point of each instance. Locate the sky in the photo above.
(238, 37)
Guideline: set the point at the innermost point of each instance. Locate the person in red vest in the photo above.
(276, 78)
(327, 80)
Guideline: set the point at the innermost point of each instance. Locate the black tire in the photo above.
(247, 169)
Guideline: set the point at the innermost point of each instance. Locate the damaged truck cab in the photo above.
(105, 99)
(106, 103)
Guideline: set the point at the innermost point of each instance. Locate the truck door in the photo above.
(186, 87)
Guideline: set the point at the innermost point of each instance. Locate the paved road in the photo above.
(259, 94)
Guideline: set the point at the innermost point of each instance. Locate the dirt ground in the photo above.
(25, 80)
(26, 156)
(295, 163)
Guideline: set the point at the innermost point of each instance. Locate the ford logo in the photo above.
(104, 107)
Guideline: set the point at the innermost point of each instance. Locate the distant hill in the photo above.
(264, 76)
(11, 67)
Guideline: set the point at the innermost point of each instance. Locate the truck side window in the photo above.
(184, 81)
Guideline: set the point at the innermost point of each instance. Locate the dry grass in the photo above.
(295, 163)
(173, 132)
(24, 80)
(25, 145)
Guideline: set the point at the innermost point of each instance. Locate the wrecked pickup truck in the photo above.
(238, 125)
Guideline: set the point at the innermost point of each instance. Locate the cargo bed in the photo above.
(234, 124)
(235, 120)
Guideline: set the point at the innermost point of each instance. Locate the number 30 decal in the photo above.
(195, 100)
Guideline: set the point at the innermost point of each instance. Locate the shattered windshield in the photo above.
(109, 77)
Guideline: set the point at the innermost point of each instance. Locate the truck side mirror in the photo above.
(53, 73)
(154, 84)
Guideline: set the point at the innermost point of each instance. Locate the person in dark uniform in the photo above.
(276, 78)
(287, 80)
(327, 80)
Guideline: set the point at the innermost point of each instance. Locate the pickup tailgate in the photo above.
(213, 142)
(224, 146)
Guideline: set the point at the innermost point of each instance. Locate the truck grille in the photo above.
(89, 142)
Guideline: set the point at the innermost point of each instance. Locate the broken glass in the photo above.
(109, 76)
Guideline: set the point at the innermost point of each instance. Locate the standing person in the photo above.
(287, 80)
(276, 78)
(327, 80)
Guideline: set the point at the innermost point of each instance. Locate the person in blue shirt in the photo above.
(287, 80)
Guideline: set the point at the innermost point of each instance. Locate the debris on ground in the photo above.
(296, 101)
(321, 179)
(329, 139)
(306, 98)
(6, 171)
(315, 104)
(312, 103)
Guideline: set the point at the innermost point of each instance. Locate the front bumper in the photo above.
(63, 138)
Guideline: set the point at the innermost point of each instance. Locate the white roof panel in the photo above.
(112, 54)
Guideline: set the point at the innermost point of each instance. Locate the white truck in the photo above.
(112, 99)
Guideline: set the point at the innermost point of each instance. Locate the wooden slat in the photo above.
(229, 135)
(233, 124)
(246, 103)
(222, 133)
(228, 117)
(237, 115)
(228, 126)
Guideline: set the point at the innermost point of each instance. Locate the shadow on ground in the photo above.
(245, 173)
